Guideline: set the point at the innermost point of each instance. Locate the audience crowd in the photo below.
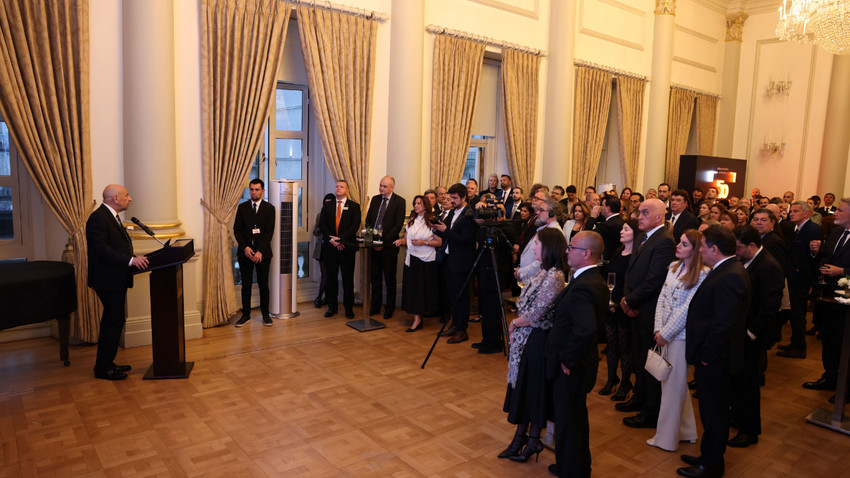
(705, 281)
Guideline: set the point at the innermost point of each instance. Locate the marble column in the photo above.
(558, 125)
(836, 141)
(659, 93)
(404, 131)
(729, 88)
(150, 172)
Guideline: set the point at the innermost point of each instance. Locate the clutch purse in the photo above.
(657, 364)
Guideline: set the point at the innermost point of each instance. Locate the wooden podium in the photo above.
(167, 333)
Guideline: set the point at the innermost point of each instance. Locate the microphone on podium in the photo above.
(148, 231)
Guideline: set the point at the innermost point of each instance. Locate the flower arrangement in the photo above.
(844, 282)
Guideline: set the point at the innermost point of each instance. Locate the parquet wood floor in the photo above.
(313, 397)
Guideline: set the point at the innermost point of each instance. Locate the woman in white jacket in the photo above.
(676, 420)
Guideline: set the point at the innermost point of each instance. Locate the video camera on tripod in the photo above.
(490, 211)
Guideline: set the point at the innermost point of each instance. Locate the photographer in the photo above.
(497, 233)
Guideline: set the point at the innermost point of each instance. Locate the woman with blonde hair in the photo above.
(676, 420)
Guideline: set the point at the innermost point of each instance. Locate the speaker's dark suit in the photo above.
(385, 261)
(644, 279)
(831, 317)
(766, 284)
(609, 229)
(802, 273)
(243, 229)
(572, 342)
(110, 252)
(337, 261)
(685, 221)
(715, 334)
(458, 256)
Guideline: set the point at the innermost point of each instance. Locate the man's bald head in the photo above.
(651, 214)
(117, 197)
(585, 249)
(774, 209)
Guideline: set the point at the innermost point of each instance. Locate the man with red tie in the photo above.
(339, 222)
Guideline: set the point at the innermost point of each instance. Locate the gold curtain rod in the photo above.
(694, 90)
(608, 69)
(327, 5)
(438, 30)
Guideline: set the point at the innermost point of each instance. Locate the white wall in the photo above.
(798, 118)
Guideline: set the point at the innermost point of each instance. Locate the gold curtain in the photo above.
(454, 96)
(339, 56)
(679, 116)
(592, 104)
(241, 50)
(520, 92)
(630, 94)
(44, 99)
(706, 117)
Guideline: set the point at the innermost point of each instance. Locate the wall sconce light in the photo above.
(772, 151)
(778, 89)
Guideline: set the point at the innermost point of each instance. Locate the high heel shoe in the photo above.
(516, 445)
(622, 393)
(533, 447)
(606, 390)
(414, 329)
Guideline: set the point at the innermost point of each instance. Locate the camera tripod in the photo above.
(490, 241)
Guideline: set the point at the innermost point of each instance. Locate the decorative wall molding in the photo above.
(702, 36)
(719, 6)
(585, 30)
(735, 26)
(510, 8)
(754, 7)
(695, 64)
(756, 90)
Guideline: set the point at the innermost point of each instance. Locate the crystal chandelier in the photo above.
(826, 22)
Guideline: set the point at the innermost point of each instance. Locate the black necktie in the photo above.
(123, 229)
(841, 241)
(255, 208)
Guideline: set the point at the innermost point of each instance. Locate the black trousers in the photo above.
(713, 384)
(647, 391)
(490, 307)
(111, 324)
(456, 291)
(799, 296)
(572, 427)
(746, 401)
(831, 324)
(384, 264)
(337, 262)
(246, 268)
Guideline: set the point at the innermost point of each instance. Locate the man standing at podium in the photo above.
(253, 228)
(111, 260)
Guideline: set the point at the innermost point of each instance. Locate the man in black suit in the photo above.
(679, 214)
(828, 205)
(764, 221)
(802, 273)
(253, 229)
(766, 284)
(339, 222)
(644, 279)
(836, 250)
(512, 208)
(609, 225)
(458, 257)
(505, 193)
(716, 330)
(386, 212)
(111, 262)
(571, 356)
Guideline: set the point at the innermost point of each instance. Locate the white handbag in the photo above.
(657, 364)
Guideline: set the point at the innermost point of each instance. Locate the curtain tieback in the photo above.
(212, 213)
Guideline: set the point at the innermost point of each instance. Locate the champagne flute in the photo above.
(821, 278)
(612, 281)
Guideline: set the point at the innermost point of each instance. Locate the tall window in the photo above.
(289, 130)
(13, 225)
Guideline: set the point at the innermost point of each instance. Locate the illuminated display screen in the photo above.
(727, 175)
